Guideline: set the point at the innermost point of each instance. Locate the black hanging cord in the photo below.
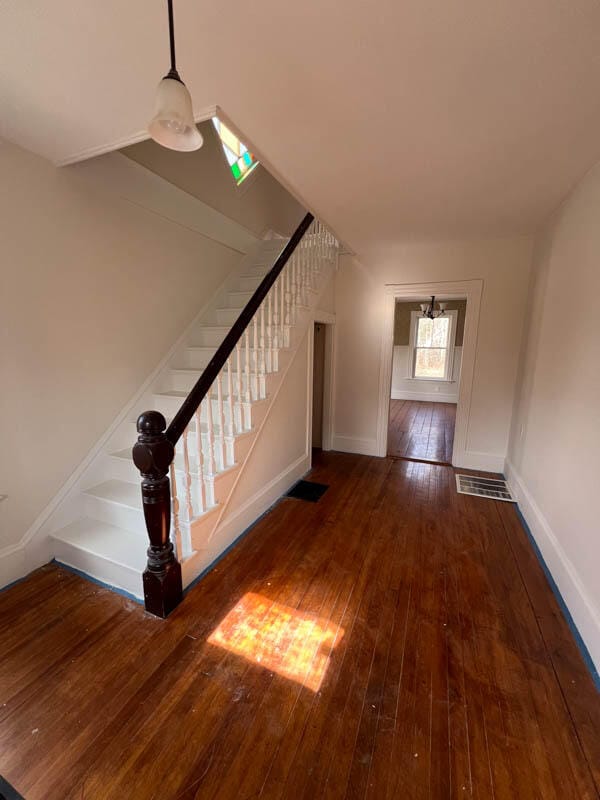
(173, 71)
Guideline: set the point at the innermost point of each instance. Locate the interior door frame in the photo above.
(471, 290)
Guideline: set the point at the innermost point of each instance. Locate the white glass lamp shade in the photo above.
(173, 123)
(442, 306)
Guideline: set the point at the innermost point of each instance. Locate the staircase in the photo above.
(101, 529)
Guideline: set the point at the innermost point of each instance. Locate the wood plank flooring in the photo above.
(421, 430)
(394, 640)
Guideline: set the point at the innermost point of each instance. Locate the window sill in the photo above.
(434, 380)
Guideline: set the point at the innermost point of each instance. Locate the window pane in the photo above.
(430, 363)
(424, 332)
(229, 139)
(441, 329)
(241, 161)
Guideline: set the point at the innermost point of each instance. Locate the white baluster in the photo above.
(262, 381)
(282, 338)
(247, 395)
(270, 348)
(210, 461)
(187, 478)
(176, 529)
(220, 436)
(200, 459)
(303, 271)
(276, 320)
(294, 287)
(238, 394)
(229, 435)
(313, 261)
(255, 386)
(288, 295)
(186, 542)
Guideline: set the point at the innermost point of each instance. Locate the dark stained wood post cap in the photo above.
(151, 423)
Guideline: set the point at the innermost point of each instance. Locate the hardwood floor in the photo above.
(394, 640)
(421, 430)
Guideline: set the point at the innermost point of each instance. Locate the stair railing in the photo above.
(216, 409)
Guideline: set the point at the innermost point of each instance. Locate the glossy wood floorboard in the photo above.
(394, 640)
(421, 430)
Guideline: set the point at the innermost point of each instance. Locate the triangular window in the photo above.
(241, 161)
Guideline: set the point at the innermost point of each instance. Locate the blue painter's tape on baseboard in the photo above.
(104, 585)
(222, 555)
(563, 606)
(10, 585)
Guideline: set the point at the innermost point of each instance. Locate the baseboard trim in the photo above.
(572, 595)
(13, 565)
(352, 444)
(428, 397)
(485, 462)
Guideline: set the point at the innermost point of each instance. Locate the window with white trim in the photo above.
(431, 350)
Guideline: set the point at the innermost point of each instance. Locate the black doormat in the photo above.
(307, 490)
(7, 792)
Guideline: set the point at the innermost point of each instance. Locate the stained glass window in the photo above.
(240, 159)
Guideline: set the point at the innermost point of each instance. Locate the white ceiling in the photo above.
(389, 118)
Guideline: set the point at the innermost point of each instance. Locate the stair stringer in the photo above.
(274, 470)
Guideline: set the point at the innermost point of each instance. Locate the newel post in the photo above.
(152, 455)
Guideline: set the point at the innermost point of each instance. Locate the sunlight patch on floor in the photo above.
(292, 643)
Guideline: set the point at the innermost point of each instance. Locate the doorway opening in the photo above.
(426, 362)
(432, 372)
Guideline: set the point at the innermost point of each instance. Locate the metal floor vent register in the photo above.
(308, 490)
(7, 792)
(495, 489)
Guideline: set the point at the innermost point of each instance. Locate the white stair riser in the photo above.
(237, 300)
(170, 405)
(249, 283)
(124, 470)
(122, 516)
(199, 357)
(100, 568)
(227, 316)
(209, 336)
(185, 381)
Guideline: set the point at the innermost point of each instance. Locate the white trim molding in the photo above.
(429, 397)
(134, 138)
(13, 565)
(574, 594)
(472, 291)
(351, 444)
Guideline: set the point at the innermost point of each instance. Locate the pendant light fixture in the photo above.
(173, 123)
(430, 311)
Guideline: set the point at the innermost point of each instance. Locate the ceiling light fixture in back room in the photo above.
(173, 123)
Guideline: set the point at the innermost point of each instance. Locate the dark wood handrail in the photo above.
(155, 449)
(191, 403)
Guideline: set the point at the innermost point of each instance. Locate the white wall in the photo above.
(406, 388)
(502, 264)
(555, 439)
(95, 289)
